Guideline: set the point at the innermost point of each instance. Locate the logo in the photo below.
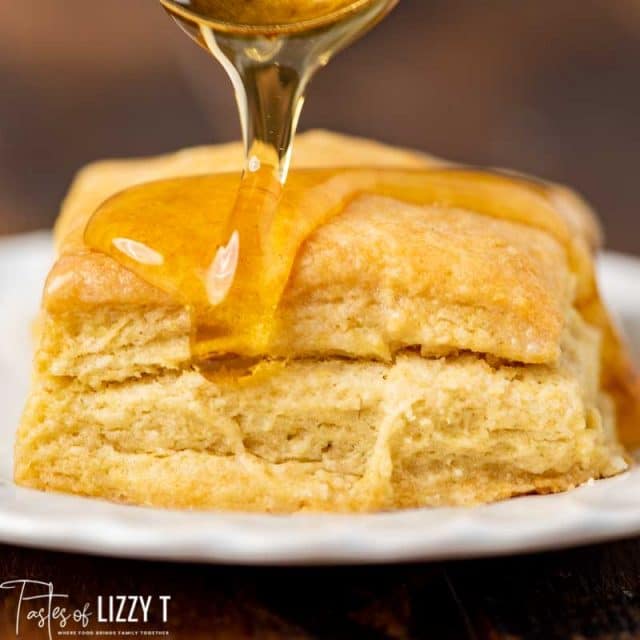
(40, 606)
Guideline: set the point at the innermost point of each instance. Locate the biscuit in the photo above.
(422, 356)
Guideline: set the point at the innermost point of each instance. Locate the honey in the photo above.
(224, 245)
(230, 267)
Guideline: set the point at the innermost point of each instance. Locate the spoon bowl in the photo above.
(215, 15)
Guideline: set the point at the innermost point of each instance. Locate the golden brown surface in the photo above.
(345, 414)
(378, 277)
(381, 277)
(199, 216)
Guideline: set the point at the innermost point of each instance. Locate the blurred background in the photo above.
(549, 87)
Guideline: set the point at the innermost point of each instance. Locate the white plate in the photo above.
(602, 510)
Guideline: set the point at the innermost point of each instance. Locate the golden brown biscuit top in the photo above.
(436, 278)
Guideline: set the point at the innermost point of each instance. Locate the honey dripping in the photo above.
(224, 245)
(270, 51)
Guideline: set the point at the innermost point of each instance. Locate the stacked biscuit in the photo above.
(422, 356)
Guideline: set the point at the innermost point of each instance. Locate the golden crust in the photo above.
(380, 277)
(383, 276)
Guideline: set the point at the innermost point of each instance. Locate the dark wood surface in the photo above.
(591, 592)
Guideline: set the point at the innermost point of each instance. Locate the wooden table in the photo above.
(591, 592)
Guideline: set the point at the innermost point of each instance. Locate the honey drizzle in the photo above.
(170, 233)
(270, 54)
(225, 246)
